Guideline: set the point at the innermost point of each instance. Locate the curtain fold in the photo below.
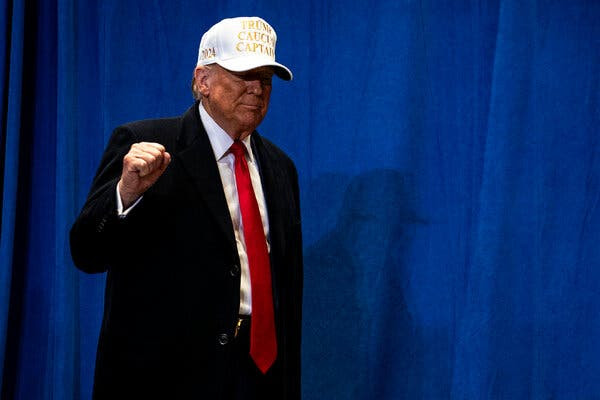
(13, 17)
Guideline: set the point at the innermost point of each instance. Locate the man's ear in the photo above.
(202, 81)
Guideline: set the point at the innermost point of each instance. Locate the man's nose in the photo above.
(255, 87)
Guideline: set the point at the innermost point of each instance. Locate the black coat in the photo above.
(172, 289)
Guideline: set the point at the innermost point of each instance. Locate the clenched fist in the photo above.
(142, 166)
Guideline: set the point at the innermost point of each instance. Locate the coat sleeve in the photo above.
(96, 233)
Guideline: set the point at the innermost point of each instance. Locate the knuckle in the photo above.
(140, 164)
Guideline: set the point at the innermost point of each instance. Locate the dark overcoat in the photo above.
(173, 275)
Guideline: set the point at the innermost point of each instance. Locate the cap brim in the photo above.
(242, 64)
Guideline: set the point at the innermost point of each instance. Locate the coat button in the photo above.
(223, 339)
(235, 270)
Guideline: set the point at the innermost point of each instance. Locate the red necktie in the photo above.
(263, 343)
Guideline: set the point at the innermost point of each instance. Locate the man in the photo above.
(196, 219)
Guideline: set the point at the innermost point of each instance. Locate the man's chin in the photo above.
(250, 122)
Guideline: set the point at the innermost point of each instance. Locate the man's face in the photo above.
(237, 101)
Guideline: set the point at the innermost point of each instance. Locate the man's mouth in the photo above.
(252, 106)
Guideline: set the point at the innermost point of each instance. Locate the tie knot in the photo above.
(238, 149)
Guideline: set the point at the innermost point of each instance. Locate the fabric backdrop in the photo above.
(450, 172)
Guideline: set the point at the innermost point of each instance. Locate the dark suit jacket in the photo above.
(172, 289)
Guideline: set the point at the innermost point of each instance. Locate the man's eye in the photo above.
(265, 80)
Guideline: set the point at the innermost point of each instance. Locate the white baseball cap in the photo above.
(241, 44)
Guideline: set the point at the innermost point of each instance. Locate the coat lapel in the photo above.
(198, 159)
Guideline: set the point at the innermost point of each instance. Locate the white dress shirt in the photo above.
(221, 142)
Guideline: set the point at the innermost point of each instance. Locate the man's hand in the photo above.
(142, 166)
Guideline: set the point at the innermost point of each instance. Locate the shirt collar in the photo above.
(220, 141)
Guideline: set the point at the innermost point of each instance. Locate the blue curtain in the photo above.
(450, 172)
